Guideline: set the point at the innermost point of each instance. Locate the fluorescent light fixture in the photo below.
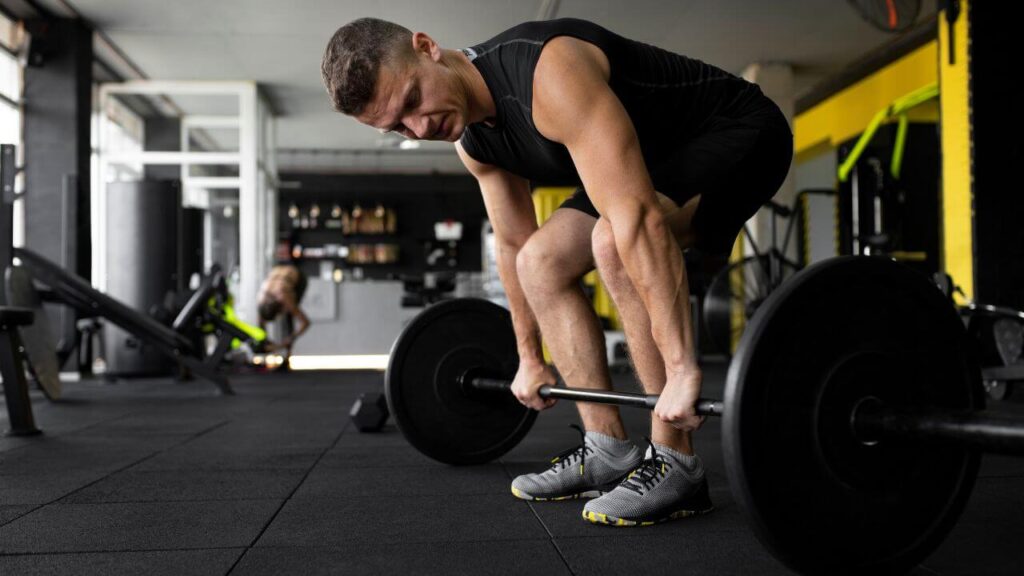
(341, 362)
(409, 145)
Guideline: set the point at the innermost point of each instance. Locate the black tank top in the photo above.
(670, 98)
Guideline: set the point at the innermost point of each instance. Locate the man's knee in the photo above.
(541, 265)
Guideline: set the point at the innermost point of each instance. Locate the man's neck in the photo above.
(479, 99)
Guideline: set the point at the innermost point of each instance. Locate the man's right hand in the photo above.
(529, 378)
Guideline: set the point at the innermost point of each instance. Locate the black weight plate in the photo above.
(819, 498)
(37, 337)
(431, 408)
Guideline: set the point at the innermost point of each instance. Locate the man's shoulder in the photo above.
(534, 31)
(523, 29)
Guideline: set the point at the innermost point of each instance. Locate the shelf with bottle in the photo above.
(360, 254)
(354, 220)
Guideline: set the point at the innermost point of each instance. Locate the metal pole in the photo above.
(19, 405)
(7, 171)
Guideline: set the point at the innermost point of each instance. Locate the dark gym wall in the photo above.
(998, 154)
(163, 135)
(190, 245)
(58, 96)
(57, 109)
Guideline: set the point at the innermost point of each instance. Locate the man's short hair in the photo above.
(269, 309)
(353, 58)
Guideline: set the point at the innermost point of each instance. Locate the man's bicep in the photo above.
(610, 161)
(587, 117)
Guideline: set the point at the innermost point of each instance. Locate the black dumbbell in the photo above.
(369, 412)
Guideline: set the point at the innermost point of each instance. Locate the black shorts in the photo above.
(735, 167)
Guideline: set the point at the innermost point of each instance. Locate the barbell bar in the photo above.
(870, 421)
(704, 407)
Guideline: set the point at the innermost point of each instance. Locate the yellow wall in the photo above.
(845, 114)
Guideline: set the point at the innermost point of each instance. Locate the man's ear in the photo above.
(424, 44)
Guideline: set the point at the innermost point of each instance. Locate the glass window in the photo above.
(10, 112)
(10, 34)
(10, 89)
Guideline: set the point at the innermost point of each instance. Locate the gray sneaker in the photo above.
(658, 490)
(584, 471)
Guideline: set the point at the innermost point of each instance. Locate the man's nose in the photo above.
(420, 127)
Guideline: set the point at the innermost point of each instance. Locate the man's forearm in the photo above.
(654, 263)
(524, 322)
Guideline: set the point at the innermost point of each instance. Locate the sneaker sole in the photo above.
(586, 494)
(599, 518)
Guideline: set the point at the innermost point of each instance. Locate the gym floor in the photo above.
(161, 477)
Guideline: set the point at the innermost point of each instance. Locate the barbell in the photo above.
(852, 423)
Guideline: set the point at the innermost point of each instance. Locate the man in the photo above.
(670, 153)
(281, 293)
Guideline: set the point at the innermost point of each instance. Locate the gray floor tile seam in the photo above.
(26, 513)
(115, 551)
(348, 544)
(128, 413)
(288, 499)
(62, 432)
(612, 532)
(439, 497)
(390, 467)
(222, 469)
(551, 536)
(460, 541)
(186, 501)
(137, 462)
(296, 394)
(379, 495)
(96, 434)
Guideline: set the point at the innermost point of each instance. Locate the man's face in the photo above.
(418, 100)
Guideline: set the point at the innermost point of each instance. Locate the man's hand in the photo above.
(677, 403)
(530, 377)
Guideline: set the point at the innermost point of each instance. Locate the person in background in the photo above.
(279, 295)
